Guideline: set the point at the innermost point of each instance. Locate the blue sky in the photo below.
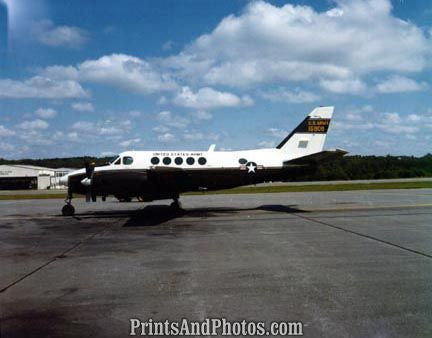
(98, 77)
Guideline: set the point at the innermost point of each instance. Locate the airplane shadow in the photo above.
(153, 215)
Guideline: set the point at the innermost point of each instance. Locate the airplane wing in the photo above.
(316, 158)
(167, 177)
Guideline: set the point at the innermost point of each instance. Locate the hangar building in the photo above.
(22, 176)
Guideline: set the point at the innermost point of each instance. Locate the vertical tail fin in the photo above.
(310, 134)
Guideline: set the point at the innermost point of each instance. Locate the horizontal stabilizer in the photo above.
(316, 158)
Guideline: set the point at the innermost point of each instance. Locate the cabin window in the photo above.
(303, 144)
(118, 161)
(166, 160)
(190, 160)
(155, 160)
(242, 161)
(127, 160)
(202, 160)
(178, 160)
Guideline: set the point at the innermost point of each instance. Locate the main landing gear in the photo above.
(68, 209)
(176, 204)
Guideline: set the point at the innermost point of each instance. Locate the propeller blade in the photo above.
(87, 182)
(89, 167)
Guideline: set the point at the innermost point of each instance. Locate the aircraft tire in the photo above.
(68, 210)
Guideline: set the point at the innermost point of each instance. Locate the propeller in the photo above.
(88, 182)
(89, 169)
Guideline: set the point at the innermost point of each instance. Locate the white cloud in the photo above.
(355, 113)
(245, 73)
(125, 124)
(337, 50)
(266, 144)
(118, 70)
(5, 132)
(35, 137)
(166, 137)
(366, 108)
(202, 115)
(397, 129)
(160, 129)
(285, 95)
(59, 36)
(127, 143)
(168, 45)
(399, 84)
(171, 120)
(391, 117)
(6, 147)
(389, 123)
(58, 135)
(46, 113)
(41, 87)
(208, 98)
(212, 137)
(126, 72)
(83, 106)
(75, 137)
(107, 154)
(279, 133)
(414, 118)
(60, 72)
(162, 100)
(353, 117)
(109, 130)
(34, 124)
(354, 86)
(83, 126)
(112, 129)
(192, 135)
(270, 44)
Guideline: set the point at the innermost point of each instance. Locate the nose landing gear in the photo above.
(68, 209)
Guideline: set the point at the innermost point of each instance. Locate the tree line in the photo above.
(359, 167)
(355, 167)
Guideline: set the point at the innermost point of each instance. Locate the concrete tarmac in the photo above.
(343, 263)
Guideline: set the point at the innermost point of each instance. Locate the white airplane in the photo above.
(156, 175)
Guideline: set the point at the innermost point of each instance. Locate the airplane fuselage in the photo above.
(163, 174)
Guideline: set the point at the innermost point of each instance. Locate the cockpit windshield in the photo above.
(115, 160)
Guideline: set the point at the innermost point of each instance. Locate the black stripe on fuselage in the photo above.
(137, 181)
(308, 126)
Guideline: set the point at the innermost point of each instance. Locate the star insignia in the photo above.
(251, 167)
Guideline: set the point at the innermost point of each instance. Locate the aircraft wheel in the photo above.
(68, 210)
(176, 205)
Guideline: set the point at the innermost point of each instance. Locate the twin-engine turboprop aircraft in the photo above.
(156, 175)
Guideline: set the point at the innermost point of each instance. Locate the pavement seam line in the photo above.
(53, 259)
(366, 236)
